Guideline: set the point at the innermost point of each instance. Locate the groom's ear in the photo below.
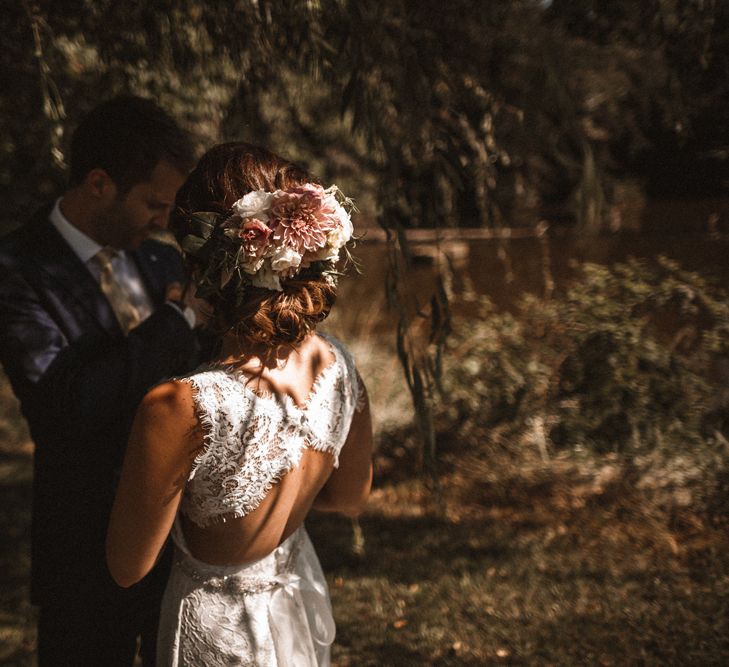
(100, 185)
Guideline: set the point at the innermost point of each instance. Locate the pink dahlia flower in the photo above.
(301, 219)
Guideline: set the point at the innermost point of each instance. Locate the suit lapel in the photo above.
(151, 269)
(70, 280)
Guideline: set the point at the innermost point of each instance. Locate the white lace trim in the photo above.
(251, 440)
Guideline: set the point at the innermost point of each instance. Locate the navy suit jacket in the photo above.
(79, 381)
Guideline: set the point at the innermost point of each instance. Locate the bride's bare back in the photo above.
(248, 538)
(239, 540)
(167, 437)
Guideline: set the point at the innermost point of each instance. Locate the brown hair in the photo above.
(128, 136)
(223, 175)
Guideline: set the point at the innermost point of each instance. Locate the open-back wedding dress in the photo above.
(274, 611)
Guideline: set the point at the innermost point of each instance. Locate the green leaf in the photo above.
(204, 223)
(192, 244)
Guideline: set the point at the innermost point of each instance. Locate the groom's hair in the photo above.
(127, 137)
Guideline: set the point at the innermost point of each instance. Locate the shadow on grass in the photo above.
(605, 582)
(15, 506)
(17, 617)
(407, 550)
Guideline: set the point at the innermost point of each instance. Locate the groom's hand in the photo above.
(174, 293)
(196, 310)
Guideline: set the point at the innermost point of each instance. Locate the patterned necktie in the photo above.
(118, 297)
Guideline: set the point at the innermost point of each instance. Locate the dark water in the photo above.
(504, 270)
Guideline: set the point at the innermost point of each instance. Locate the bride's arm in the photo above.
(158, 460)
(348, 487)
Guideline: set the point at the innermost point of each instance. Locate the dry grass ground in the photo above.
(549, 569)
(17, 619)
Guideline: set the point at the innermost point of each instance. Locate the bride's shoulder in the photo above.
(333, 344)
(340, 351)
(175, 396)
(168, 407)
(207, 379)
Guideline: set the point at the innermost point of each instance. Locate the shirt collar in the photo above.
(84, 247)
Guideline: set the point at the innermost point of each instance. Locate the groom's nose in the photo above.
(161, 218)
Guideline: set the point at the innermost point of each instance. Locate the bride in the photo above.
(231, 458)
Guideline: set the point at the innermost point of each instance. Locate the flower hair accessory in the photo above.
(267, 237)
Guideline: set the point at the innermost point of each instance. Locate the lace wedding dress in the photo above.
(275, 611)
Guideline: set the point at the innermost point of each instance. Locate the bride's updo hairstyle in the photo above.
(257, 315)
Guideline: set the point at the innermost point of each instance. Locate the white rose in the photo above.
(329, 253)
(285, 258)
(344, 220)
(267, 279)
(254, 205)
(336, 238)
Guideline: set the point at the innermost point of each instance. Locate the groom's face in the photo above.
(144, 209)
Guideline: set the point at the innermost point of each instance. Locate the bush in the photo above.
(631, 360)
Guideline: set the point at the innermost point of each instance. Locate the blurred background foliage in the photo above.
(437, 114)
(631, 361)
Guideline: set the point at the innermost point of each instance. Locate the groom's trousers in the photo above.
(95, 638)
(103, 625)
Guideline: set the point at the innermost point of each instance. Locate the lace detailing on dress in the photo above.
(273, 612)
(251, 441)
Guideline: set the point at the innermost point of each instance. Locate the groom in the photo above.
(88, 323)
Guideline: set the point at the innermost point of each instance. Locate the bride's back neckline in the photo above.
(244, 377)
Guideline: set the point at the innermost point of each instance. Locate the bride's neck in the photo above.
(257, 356)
